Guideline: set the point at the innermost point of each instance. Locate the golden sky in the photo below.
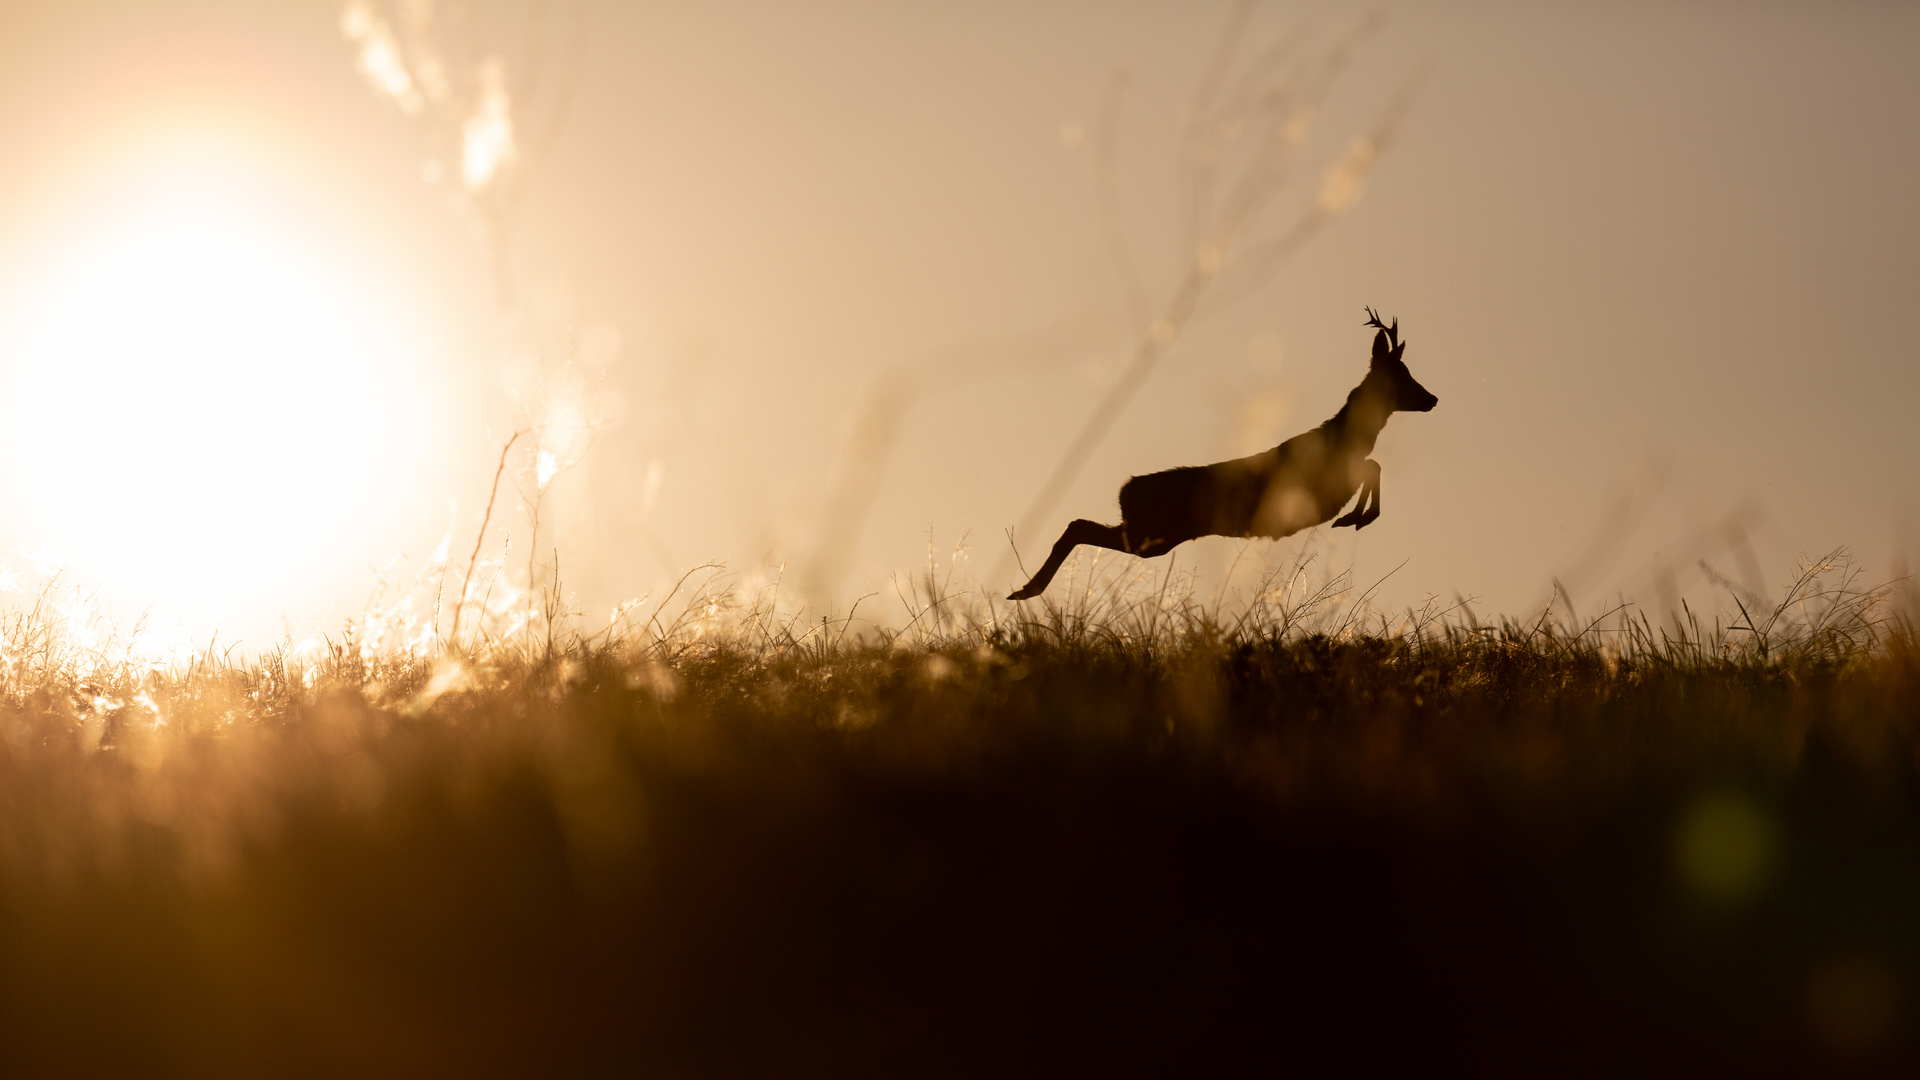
(781, 278)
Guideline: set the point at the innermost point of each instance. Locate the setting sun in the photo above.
(205, 410)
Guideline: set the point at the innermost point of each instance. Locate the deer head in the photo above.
(1388, 377)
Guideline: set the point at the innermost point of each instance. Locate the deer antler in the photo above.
(1393, 332)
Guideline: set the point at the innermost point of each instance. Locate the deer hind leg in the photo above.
(1367, 507)
(1080, 532)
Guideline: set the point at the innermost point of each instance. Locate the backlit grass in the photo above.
(1126, 831)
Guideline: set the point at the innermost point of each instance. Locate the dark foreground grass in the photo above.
(1024, 852)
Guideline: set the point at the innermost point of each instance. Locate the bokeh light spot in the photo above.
(1852, 1004)
(1724, 848)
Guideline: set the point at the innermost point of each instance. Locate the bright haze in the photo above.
(806, 287)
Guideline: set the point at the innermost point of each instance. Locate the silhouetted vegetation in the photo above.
(1124, 833)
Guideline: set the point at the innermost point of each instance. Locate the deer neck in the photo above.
(1357, 425)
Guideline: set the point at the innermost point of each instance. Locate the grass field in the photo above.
(1120, 833)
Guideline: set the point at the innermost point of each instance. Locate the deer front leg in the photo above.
(1373, 496)
(1367, 506)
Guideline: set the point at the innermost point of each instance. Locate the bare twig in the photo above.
(453, 635)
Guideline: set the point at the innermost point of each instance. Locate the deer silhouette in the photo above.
(1300, 483)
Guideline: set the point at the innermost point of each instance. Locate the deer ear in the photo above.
(1398, 349)
(1381, 350)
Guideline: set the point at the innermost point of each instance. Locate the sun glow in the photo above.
(198, 414)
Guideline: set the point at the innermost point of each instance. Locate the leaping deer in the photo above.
(1302, 482)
